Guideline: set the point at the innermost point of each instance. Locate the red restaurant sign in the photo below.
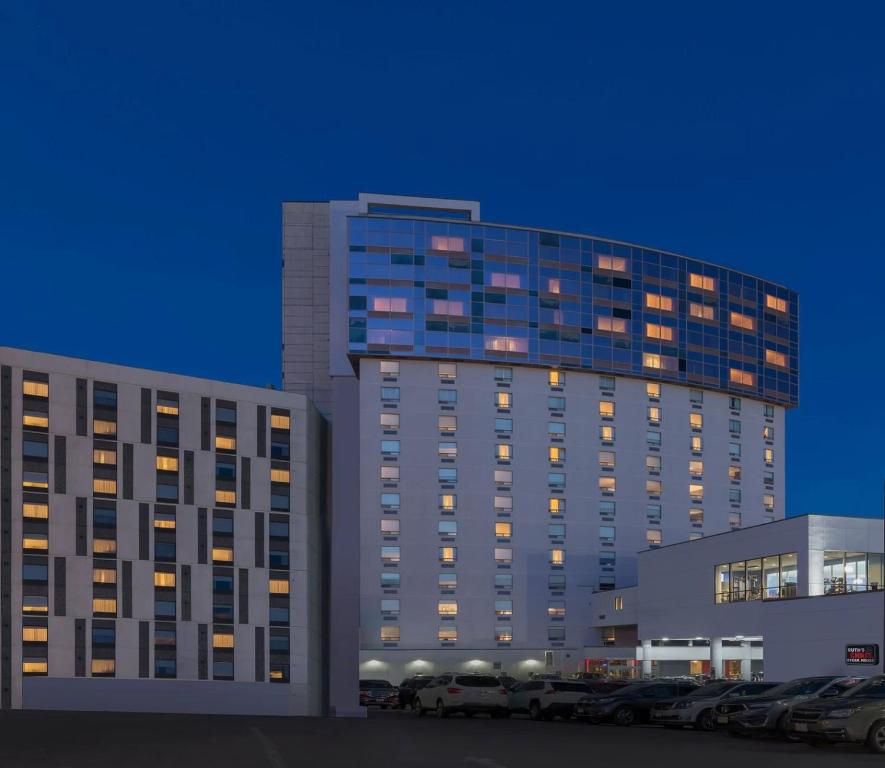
(862, 654)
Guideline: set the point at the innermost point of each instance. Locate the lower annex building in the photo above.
(161, 541)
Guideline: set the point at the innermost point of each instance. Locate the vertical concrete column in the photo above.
(716, 667)
(646, 658)
(746, 669)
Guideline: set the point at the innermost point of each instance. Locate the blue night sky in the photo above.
(146, 150)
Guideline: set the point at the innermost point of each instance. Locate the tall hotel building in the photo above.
(161, 542)
(515, 413)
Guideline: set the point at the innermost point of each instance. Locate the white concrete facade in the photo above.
(137, 623)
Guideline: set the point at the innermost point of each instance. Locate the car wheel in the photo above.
(705, 721)
(624, 716)
(535, 710)
(876, 737)
(441, 709)
(419, 710)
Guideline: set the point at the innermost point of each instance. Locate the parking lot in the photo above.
(390, 739)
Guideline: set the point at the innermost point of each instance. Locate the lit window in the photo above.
(389, 526)
(389, 368)
(163, 579)
(607, 484)
(503, 503)
(696, 516)
(653, 463)
(445, 423)
(767, 432)
(739, 320)
(444, 307)
(773, 302)
(279, 421)
(447, 608)
(35, 604)
(35, 511)
(447, 501)
(442, 243)
(35, 388)
(653, 390)
(35, 634)
(39, 422)
(222, 640)
(696, 491)
(775, 358)
(653, 487)
(390, 554)
(104, 576)
(106, 487)
(164, 463)
(607, 433)
(653, 537)
(447, 634)
(744, 378)
(35, 541)
(503, 530)
(448, 554)
(104, 457)
(503, 555)
(655, 331)
(696, 468)
(506, 344)
(225, 443)
(734, 473)
(390, 474)
(447, 371)
(389, 634)
(654, 414)
(503, 399)
(556, 454)
(280, 475)
(768, 455)
(503, 451)
(503, 634)
(557, 557)
(614, 263)
(503, 607)
(389, 420)
(104, 427)
(556, 378)
(222, 555)
(656, 301)
(553, 285)
(607, 459)
(697, 443)
(225, 497)
(611, 324)
(38, 480)
(619, 603)
(696, 420)
(104, 605)
(702, 311)
(555, 506)
(768, 502)
(164, 520)
(701, 281)
(606, 408)
(389, 304)
(167, 407)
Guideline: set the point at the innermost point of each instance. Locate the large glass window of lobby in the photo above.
(762, 578)
(851, 572)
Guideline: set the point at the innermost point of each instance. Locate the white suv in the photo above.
(545, 699)
(467, 693)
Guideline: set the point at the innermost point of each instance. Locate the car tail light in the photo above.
(453, 690)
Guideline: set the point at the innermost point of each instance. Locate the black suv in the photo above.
(631, 703)
(409, 686)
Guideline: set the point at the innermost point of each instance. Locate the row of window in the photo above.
(390, 633)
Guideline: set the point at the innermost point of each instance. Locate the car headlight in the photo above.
(846, 712)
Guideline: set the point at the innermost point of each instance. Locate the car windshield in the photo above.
(868, 689)
(375, 684)
(478, 681)
(800, 687)
(711, 689)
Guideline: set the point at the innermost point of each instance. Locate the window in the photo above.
(657, 301)
(447, 608)
(448, 554)
(35, 634)
(505, 280)
(744, 378)
(503, 634)
(556, 454)
(556, 403)
(768, 502)
(701, 281)
(555, 506)
(653, 390)
(734, 495)
(390, 474)
(653, 414)
(607, 459)
(225, 497)
(556, 609)
(104, 487)
(506, 344)
(389, 554)
(503, 608)
(556, 378)
(607, 433)
(734, 403)
(696, 491)
(556, 581)
(768, 455)
(447, 580)
(40, 481)
(389, 526)
(653, 438)
(745, 322)
(447, 528)
(653, 463)
(35, 388)
(444, 450)
(279, 421)
(503, 555)
(389, 420)
(390, 394)
(503, 581)
(734, 520)
(104, 605)
(653, 487)
(556, 479)
(503, 451)
(222, 555)
(225, 443)
(734, 426)
(606, 408)
(614, 263)
(390, 607)
(503, 400)
(607, 484)
(775, 358)
(35, 511)
(164, 463)
(503, 503)
(37, 422)
(163, 579)
(556, 429)
(702, 311)
(607, 508)
(503, 374)
(503, 425)
(653, 512)
(655, 331)
(503, 530)
(389, 368)
(734, 450)
(35, 541)
(555, 531)
(696, 468)
(390, 501)
(447, 634)
(653, 537)
(606, 534)
(278, 586)
(448, 501)
(773, 302)
(696, 420)
(447, 396)
(557, 556)
(768, 411)
(619, 603)
(104, 456)
(390, 580)
(389, 634)
(696, 516)
(611, 324)
(553, 285)
(103, 667)
(447, 423)
(696, 443)
(104, 427)
(448, 371)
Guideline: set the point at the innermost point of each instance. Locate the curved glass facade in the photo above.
(471, 291)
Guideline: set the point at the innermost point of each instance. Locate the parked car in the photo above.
(696, 708)
(855, 716)
(467, 693)
(380, 692)
(586, 676)
(546, 699)
(766, 714)
(631, 703)
(508, 682)
(408, 688)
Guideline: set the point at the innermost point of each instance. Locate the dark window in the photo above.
(103, 637)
